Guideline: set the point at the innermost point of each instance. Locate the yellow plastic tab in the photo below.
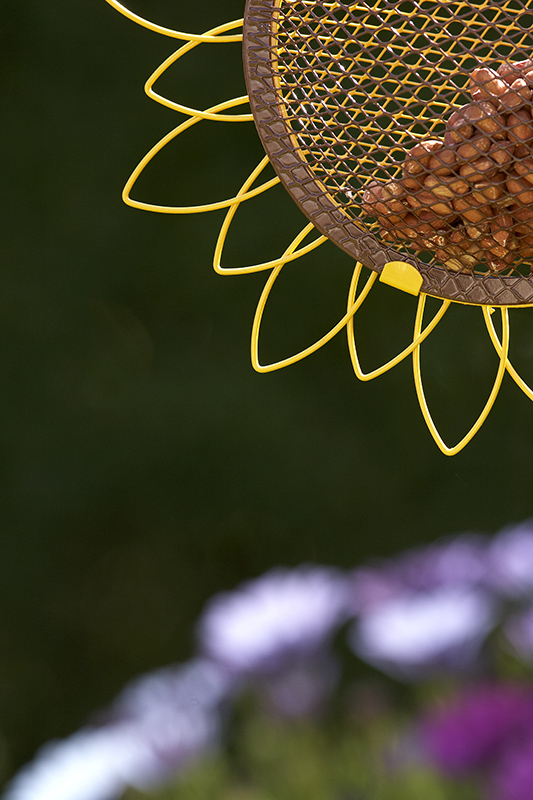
(402, 276)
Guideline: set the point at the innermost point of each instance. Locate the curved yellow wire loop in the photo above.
(498, 347)
(256, 327)
(187, 209)
(242, 195)
(188, 37)
(417, 340)
(193, 112)
(503, 352)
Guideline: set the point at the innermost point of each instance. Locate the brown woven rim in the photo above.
(259, 43)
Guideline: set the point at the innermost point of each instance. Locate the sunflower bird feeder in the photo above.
(404, 133)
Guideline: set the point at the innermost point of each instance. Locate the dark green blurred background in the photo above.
(144, 465)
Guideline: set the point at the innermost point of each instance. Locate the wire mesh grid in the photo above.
(409, 121)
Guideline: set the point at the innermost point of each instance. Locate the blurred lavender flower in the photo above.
(511, 560)
(199, 684)
(476, 729)
(458, 561)
(461, 561)
(155, 728)
(275, 620)
(408, 635)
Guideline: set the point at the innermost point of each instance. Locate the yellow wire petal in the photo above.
(417, 341)
(320, 342)
(188, 37)
(245, 194)
(192, 112)
(187, 209)
(498, 347)
(451, 451)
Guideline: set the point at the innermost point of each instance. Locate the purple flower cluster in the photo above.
(432, 608)
(274, 630)
(429, 610)
(487, 730)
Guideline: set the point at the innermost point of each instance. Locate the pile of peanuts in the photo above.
(468, 197)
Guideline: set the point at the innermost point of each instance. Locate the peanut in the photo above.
(443, 162)
(484, 116)
(525, 169)
(459, 128)
(474, 148)
(486, 84)
(478, 170)
(446, 186)
(486, 191)
(501, 153)
(516, 96)
(509, 71)
(418, 156)
(520, 127)
(521, 191)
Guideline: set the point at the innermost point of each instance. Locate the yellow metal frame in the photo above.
(398, 274)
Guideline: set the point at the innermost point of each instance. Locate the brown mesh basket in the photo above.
(404, 131)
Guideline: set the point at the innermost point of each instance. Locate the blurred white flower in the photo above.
(91, 765)
(275, 619)
(100, 763)
(410, 634)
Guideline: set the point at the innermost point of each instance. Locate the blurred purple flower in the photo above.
(410, 634)
(457, 562)
(512, 778)
(476, 729)
(272, 621)
(511, 560)
(157, 726)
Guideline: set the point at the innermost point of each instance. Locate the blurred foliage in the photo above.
(276, 760)
(143, 464)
